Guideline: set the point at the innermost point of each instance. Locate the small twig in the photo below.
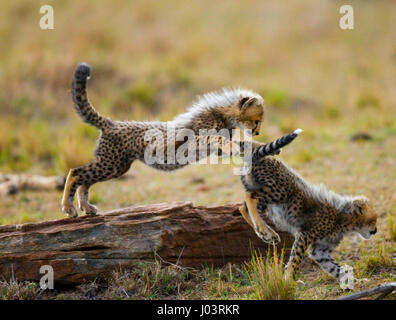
(12, 273)
(172, 264)
(383, 290)
(126, 293)
(181, 252)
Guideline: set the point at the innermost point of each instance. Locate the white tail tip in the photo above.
(298, 131)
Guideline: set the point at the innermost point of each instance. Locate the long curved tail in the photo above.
(275, 146)
(81, 103)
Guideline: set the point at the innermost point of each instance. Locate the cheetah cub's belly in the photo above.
(278, 215)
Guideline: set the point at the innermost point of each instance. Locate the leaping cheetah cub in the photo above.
(122, 142)
(317, 217)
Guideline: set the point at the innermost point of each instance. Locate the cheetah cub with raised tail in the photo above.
(122, 142)
(317, 217)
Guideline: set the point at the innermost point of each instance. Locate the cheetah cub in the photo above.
(317, 217)
(122, 142)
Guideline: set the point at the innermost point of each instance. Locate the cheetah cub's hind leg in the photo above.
(86, 176)
(83, 203)
(68, 195)
(263, 231)
(245, 214)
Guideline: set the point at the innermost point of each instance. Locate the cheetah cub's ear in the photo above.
(246, 102)
(359, 205)
(356, 206)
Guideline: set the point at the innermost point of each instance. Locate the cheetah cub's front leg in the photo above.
(263, 231)
(321, 255)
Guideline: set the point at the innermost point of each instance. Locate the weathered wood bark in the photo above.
(89, 246)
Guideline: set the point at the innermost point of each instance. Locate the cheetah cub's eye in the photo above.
(256, 122)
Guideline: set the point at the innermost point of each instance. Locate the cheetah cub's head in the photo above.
(250, 114)
(365, 218)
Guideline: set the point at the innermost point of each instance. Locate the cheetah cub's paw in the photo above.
(88, 209)
(346, 277)
(269, 236)
(70, 211)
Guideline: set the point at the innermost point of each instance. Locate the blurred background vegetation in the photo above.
(151, 58)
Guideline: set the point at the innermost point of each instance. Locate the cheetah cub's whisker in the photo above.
(317, 217)
(122, 142)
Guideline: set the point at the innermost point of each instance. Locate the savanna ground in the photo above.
(150, 59)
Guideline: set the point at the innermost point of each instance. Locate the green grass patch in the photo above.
(15, 290)
(392, 228)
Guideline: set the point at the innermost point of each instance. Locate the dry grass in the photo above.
(14, 290)
(149, 61)
(150, 281)
(155, 280)
(267, 277)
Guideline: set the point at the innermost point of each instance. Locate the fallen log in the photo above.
(13, 183)
(87, 247)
